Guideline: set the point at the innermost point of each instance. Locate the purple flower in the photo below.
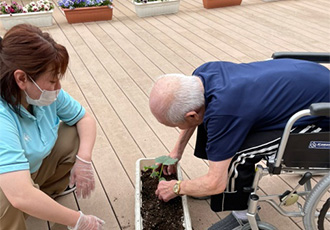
(83, 3)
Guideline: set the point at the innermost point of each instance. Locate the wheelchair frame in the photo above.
(308, 211)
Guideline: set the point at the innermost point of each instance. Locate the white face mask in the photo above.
(46, 97)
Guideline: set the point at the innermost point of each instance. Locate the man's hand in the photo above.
(165, 190)
(170, 169)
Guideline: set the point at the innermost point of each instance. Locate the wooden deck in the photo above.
(113, 65)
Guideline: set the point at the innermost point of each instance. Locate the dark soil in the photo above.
(157, 214)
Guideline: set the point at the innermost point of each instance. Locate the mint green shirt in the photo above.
(26, 140)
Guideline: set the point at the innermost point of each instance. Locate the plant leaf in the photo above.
(162, 178)
(161, 159)
(154, 166)
(145, 168)
(154, 174)
(166, 160)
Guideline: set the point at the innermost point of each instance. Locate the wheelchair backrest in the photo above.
(308, 150)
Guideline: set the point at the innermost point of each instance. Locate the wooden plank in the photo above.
(234, 29)
(179, 49)
(273, 28)
(219, 40)
(293, 21)
(134, 32)
(181, 39)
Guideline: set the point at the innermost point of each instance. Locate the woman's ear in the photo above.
(21, 79)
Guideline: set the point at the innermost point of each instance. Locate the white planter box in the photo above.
(43, 18)
(138, 199)
(156, 8)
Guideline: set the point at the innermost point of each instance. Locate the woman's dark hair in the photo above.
(25, 47)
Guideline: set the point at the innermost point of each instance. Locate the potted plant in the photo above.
(208, 4)
(86, 10)
(147, 206)
(37, 13)
(146, 8)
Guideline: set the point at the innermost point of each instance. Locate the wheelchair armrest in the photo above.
(320, 57)
(320, 109)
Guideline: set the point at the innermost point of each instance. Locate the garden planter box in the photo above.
(208, 4)
(43, 18)
(88, 14)
(156, 8)
(138, 199)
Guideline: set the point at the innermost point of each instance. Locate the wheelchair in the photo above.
(306, 155)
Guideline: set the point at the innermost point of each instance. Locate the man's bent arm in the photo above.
(214, 182)
(181, 143)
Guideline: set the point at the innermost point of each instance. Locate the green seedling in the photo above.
(162, 160)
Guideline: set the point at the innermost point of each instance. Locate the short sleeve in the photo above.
(68, 109)
(225, 135)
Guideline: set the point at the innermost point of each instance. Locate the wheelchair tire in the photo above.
(314, 201)
(323, 213)
(261, 226)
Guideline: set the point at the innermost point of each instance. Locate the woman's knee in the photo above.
(68, 139)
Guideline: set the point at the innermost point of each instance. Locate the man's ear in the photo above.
(21, 79)
(192, 116)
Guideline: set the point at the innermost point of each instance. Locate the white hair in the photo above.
(187, 96)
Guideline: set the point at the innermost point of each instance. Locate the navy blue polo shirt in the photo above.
(256, 96)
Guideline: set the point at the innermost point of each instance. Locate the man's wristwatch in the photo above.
(176, 187)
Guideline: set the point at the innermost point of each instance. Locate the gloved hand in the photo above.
(88, 222)
(82, 175)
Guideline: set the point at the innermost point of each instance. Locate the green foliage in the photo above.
(166, 160)
(162, 160)
(153, 167)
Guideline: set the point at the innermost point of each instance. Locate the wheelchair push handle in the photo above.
(319, 57)
(320, 109)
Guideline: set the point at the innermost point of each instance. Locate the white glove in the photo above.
(88, 222)
(82, 175)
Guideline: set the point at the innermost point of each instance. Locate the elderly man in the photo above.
(240, 111)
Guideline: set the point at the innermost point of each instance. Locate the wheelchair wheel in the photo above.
(315, 201)
(261, 226)
(323, 213)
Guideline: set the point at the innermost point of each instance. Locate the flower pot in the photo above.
(156, 8)
(42, 18)
(138, 199)
(88, 14)
(208, 4)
